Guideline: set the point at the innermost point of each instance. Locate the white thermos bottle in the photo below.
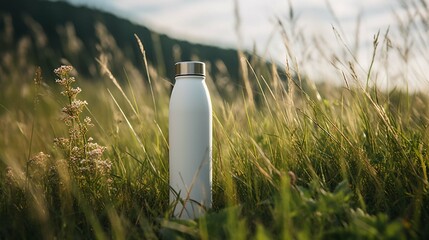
(190, 141)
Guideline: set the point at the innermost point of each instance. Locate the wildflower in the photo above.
(88, 123)
(40, 159)
(64, 79)
(75, 149)
(37, 167)
(63, 70)
(76, 154)
(103, 167)
(84, 156)
(74, 109)
(83, 162)
(62, 143)
(71, 92)
(94, 150)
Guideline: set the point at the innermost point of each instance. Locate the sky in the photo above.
(215, 23)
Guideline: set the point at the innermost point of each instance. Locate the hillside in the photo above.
(49, 33)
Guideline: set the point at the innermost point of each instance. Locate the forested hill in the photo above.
(46, 33)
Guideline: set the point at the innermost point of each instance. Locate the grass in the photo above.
(291, 159)
(350, 164)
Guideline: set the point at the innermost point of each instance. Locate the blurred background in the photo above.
(321, 37)
(259, 25)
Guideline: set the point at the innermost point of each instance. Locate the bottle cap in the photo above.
(193, 68)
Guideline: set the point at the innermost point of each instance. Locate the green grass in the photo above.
(351, 163)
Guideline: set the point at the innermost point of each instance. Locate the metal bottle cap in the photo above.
(187, 68)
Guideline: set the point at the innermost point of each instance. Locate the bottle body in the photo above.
(190, 147)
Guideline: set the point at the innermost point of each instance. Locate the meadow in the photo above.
(292, 158)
